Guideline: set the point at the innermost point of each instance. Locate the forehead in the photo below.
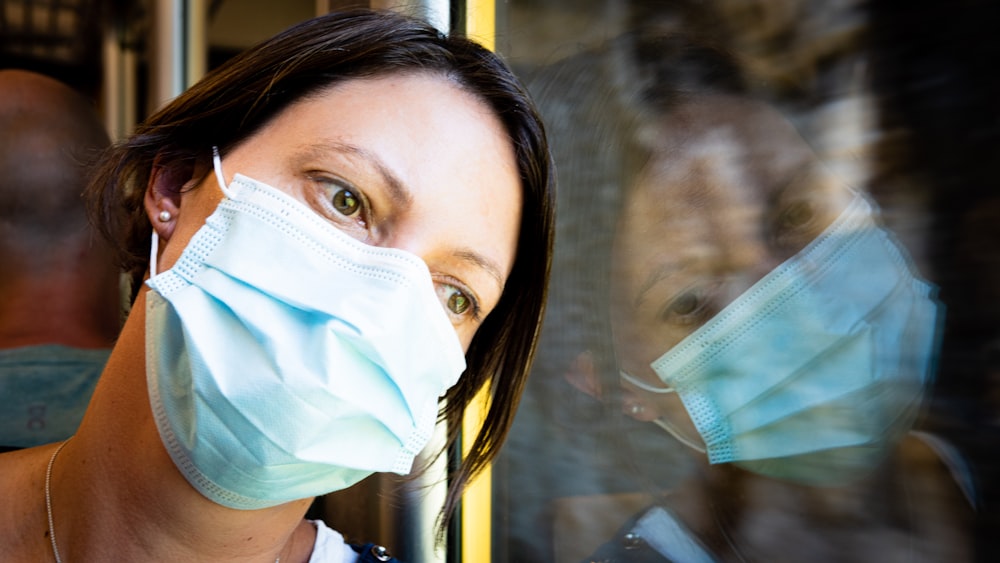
(718, 138)
(718, 168)
(425, 128)
(732, 148)
(387, 98)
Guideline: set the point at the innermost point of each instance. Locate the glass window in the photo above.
(772, 332)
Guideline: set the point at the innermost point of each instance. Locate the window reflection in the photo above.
(709, 153)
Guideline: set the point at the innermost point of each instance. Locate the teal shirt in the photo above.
(44, 391)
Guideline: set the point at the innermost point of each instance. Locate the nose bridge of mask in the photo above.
(795, 311)
(375, 280)
(773, 291)
(286, 212)
(382, 277)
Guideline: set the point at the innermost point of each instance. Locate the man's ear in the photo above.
(582, 375)
(163, 194)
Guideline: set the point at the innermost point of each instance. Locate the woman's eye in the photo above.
(793, 227)
(346, 202)
(796, 216)
(456, 301)
(690, 307)
(685, 304)
(339, 202)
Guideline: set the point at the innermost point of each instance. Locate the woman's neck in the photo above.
(116, 494)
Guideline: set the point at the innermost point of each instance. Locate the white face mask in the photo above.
(286, 359)
(815, 370)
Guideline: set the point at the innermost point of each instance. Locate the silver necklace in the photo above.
(48, 500)
(48, 503)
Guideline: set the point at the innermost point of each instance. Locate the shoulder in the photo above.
(937, 466)
(329, 546)
(934, 483)
(655, 535)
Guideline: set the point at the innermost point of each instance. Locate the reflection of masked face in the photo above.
(808, 374)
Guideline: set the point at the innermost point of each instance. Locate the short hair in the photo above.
(597, 104)
(242, 95)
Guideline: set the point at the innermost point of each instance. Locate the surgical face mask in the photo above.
(286, 359)
(817, 369)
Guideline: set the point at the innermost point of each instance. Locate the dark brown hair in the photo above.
(241, 96)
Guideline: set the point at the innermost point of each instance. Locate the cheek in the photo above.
(465, 336)
(637, 352)
(643, 338)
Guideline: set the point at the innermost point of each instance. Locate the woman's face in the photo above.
(729, 192)
(405, 161)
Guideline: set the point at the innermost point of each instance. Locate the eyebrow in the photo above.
(402, 196)
(397, 190)
(657, 275)
(484, 263)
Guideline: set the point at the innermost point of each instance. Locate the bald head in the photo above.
(58, 280)
(49, 135)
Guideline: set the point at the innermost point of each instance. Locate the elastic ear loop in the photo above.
(666, 425)
(154, 245)
(662, 423)
(154, 248)
(217, 165)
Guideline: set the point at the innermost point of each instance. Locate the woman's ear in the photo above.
(582, 375)
(163, 194)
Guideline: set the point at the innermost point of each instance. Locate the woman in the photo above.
(336, 225)
(766, 337)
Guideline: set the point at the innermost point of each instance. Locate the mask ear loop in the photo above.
(154, 249)
(643, 385)
(154, 245)
(664, 424)
(217, 165)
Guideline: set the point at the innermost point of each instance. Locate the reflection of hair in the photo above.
(596, 105)
(240, 97)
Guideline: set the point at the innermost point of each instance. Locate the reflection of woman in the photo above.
(800, 306)
(761, 316)
(313, 289)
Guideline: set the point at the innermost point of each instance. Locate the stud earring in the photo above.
(165, 216)
(636, 408)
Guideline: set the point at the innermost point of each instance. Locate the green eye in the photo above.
(458, 303)
(346, 202)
